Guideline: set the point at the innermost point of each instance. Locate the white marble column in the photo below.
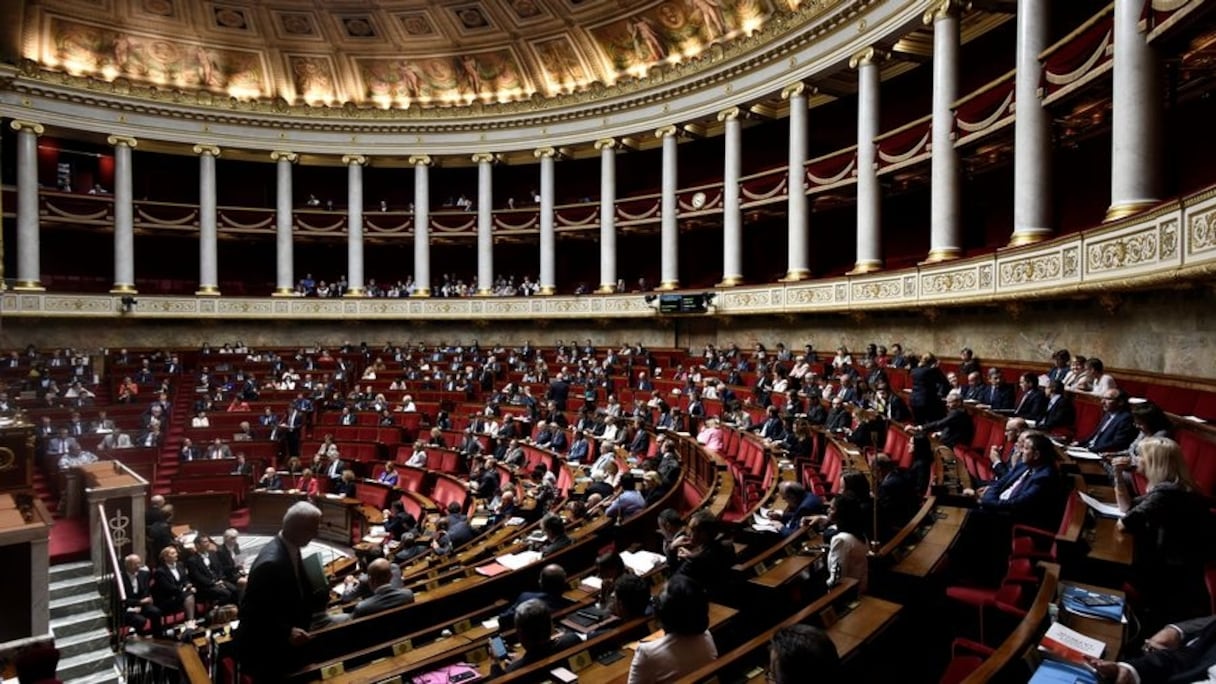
(547, 281)
(422, 224)
(284, 219)
(799, 216)
(29, 276)
(945, 220)
(869, 198)
(354, 223)
(208, 231)
(124, 216)
(732, 213)
(485, 223)
(1031, 130)
(1135, 178)
(607, 148)
(669, 257)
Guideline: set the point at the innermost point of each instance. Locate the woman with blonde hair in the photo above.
(1173, 530)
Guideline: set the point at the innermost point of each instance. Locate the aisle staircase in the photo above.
(174, 433)
(80, 626)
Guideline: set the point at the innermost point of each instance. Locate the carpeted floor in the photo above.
(69, 540)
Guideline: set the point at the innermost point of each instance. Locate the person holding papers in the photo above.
(799, 504)
(1173, 530)
(1185, 652)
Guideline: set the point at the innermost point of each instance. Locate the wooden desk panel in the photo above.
(863, 623)
(1109, 545)
(928, 553)
(266, 510)
(784, 571)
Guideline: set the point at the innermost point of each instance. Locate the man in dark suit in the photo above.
(270, 480)
(891, 405)
(277, 607)
(1115, 430)
(897, 499)
(556, 538)
(1032, 492)
(1033, 403)
(189, 452)
(229, 553)
(1058, 411)
(640, 444)
(552, 586)
(289, 431)
(998, 394)
(799, 503)
(702, 556)
(384, 594)
(559, 391)
(484, 483)
(206, 574)
(140, 609)
(956, 428)
(459, 530)
(1188, 656)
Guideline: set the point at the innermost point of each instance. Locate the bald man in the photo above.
(384, 594)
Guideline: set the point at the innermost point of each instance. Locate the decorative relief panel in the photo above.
(1032, 269)
(1122, 251)
(888, 289)
(954, 282)
(1201, 232)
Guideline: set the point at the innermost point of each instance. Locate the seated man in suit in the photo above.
(975, 387)
(1058, 412)
(1033, 403)
(552, 587)
(1115, 430)
(270, 481)
(384, 594)
(890, 404)
(230, 558)
(897, 499)
(556, 538)
(1032, 492)
(799, 503)
(1184, 652)
(956, 428)
(459, 530)
(137, 583)
(534, 629)
(998, 394)
(207, 574)
(702, 556)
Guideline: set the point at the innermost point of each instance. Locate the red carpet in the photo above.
(69, 540)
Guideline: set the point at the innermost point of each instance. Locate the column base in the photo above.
(864, 267)
(730, 281)
(422, 292)
(796, 275)
(547, 290)
(123, 289)
(937, 256)
(207, 291)
(606, 288)
(355, 292)
(485, 293)
(1125, 209)
(283, 292)
(667, 285)
(28, 286)
(1029, 237)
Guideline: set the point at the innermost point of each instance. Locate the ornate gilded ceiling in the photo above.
(388, 53)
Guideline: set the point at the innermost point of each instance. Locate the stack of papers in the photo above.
(514, 522)
(1082, 454)
(515, 561)
(762, 523)
(642, 562)
(1068, 644)
(1092, 604)
(1104, 509)
(592, 582)
(1059, 672)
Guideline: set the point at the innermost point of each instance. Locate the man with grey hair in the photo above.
(277, 607)
(534, 629)
(956, 428)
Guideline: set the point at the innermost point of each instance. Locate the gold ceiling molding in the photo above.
(783, 33)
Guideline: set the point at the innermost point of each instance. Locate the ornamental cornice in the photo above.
(819, 36)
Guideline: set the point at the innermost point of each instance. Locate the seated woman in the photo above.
(683, 609)
(417, 459)
(389, 476)
(307, 484)
(847, 551)
(328, 448)
(346, 486)
(171, 588)
(1150, 421)
(1173, 530)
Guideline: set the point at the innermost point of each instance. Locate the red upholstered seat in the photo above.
(966, 657)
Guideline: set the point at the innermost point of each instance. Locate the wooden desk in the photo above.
(1109, 632)
(266, 510)
(1108, 544)
(926, 555)
(339, 519)
(784, 570)
(863, 623)
(204, 511)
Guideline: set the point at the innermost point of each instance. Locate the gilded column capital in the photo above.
(421, 160)
(728, 114)
(484, 158)
(795, 89)
(284, 155)
(354, 160)
(117, 140)
(870, 55)
(544, 153)
(19, 125)
(607, 144)
(941, 9)
(211, 150)
(665, 132)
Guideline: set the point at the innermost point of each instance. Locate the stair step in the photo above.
(104, 677)
(92, 641)
(64, 571)
(85, 664)
(71, 586)
(79, 622)
(68, 605)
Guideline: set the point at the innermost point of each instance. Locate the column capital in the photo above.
(117, 140)
(870, 55)
(421, 160)
(607, 144)
(484, 158)
(544, 153)
(665, 132)
(354, 160)
(943, 9)
(205, 149)
(728, 114)
(284, 155)
(19, 125)
(795, 89)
